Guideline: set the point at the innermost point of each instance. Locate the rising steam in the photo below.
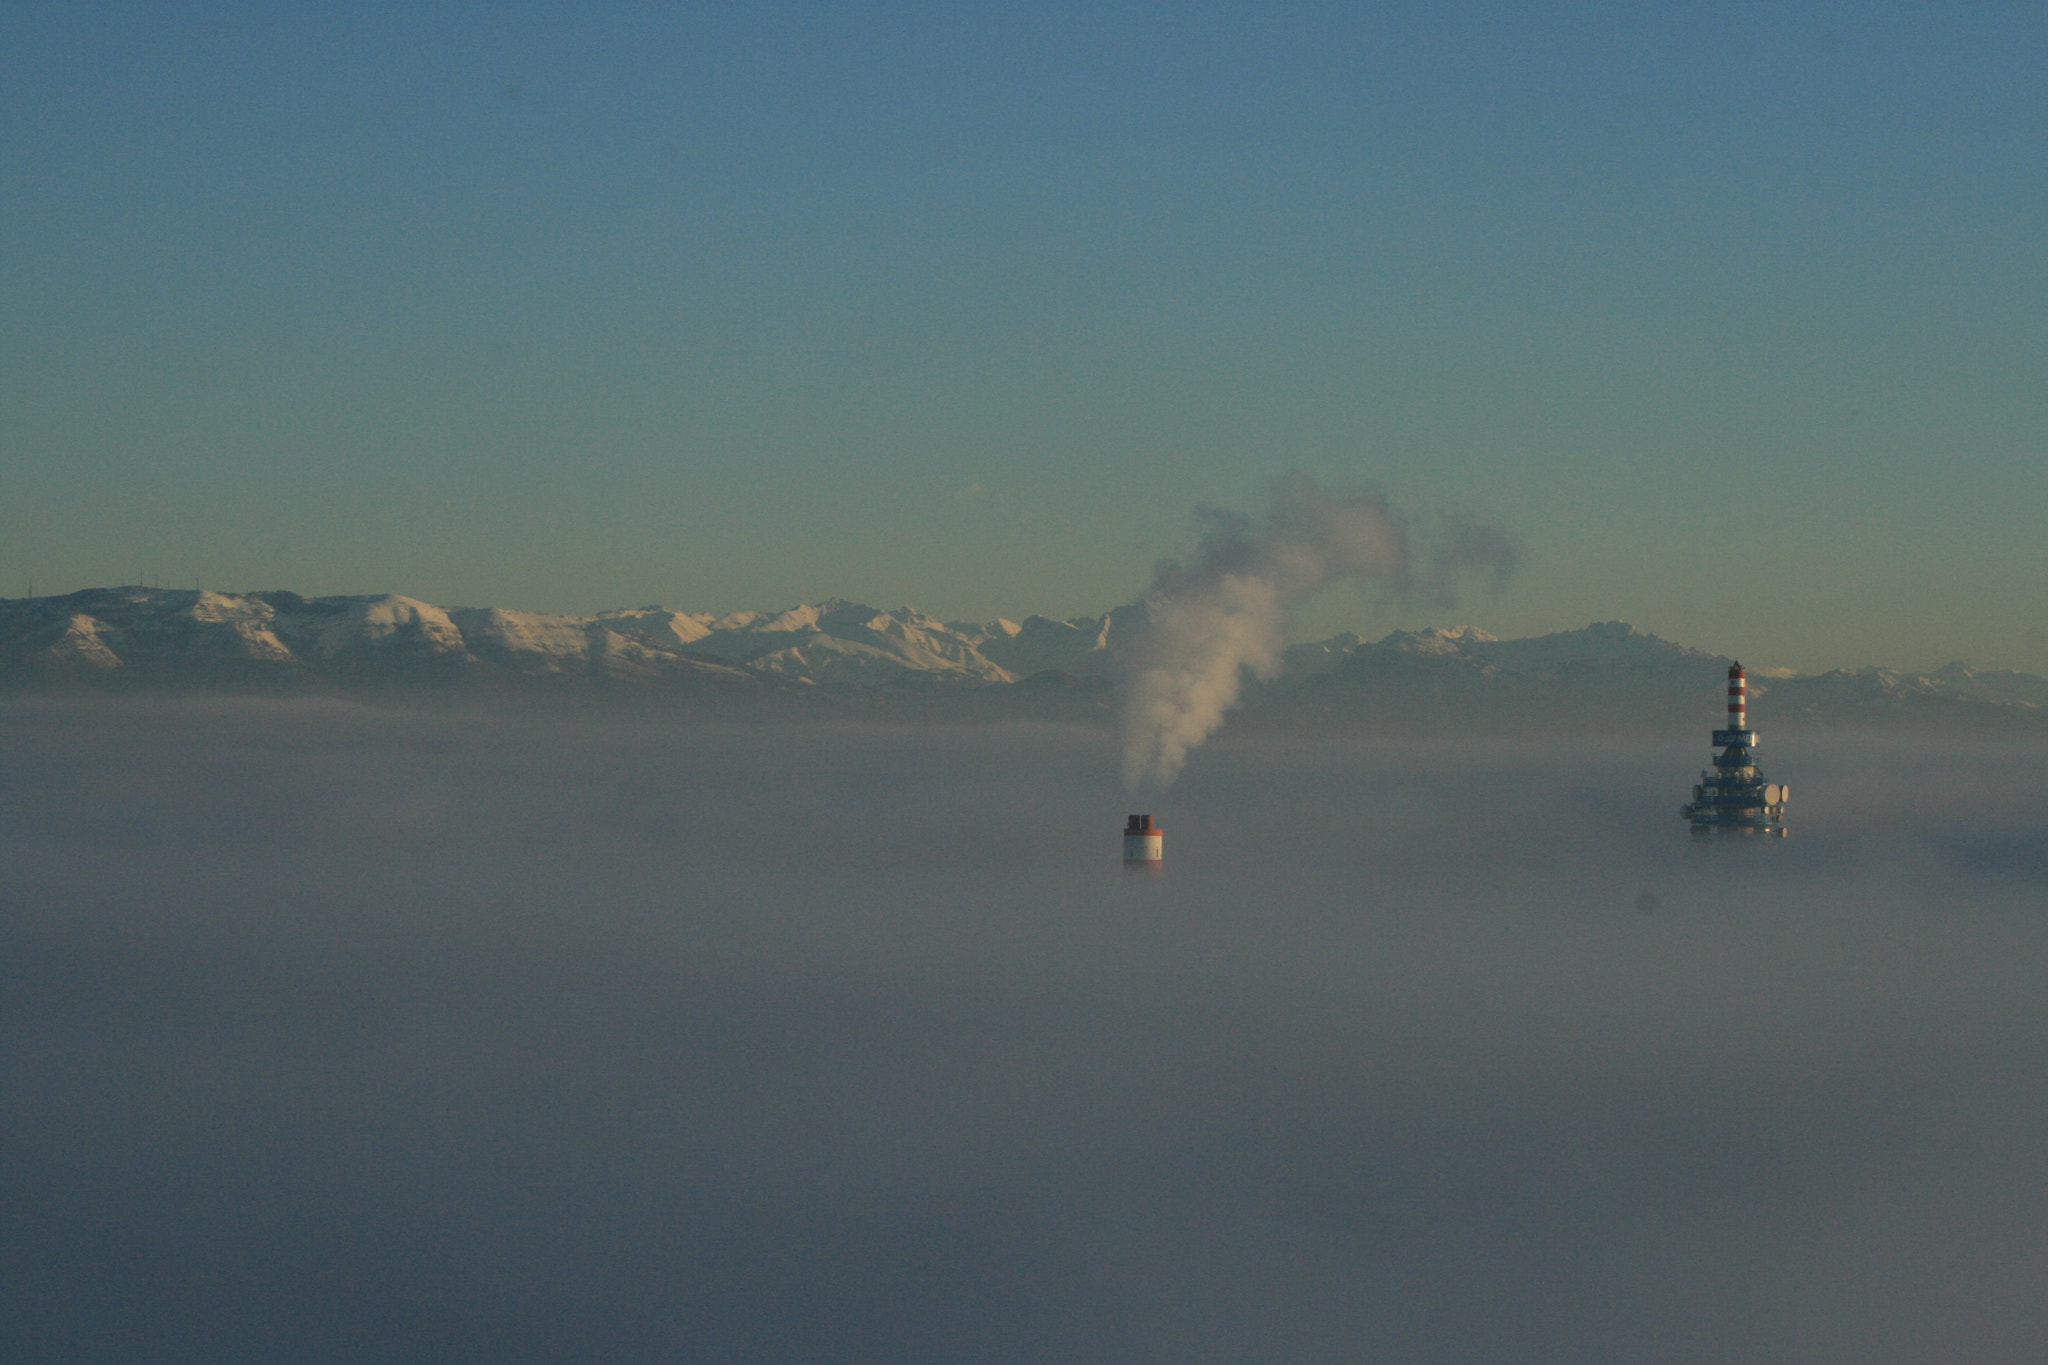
(1229, 612)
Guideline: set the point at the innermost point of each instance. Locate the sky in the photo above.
(336, 1034)
(1734, 314)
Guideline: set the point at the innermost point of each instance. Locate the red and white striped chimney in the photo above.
(1144, 843)
(1738, 697)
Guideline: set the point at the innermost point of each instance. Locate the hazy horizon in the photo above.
(1306, 629)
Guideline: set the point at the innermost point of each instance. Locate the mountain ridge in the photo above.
(902, 660)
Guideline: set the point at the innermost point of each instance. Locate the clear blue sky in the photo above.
(1737, 313)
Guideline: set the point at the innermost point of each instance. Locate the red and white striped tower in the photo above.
(1732, 797)
(1144, 844)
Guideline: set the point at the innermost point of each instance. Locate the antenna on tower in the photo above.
(1732, 797)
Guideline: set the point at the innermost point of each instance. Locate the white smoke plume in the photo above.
(1228, 613)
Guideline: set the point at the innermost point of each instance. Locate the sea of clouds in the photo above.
(331, 1033)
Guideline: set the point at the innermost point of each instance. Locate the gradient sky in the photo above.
(1734, 313)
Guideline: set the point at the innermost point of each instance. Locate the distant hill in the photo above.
(839, 656)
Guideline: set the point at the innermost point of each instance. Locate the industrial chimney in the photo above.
(1144, 843)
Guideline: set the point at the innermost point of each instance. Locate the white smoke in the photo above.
(1228, 613)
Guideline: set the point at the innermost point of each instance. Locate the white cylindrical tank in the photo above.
(1144, 843)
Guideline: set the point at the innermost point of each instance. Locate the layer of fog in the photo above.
(335, 1034)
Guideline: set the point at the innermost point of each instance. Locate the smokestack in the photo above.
(1144, 843)
(1738, 697)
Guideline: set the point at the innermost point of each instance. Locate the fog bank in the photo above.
(337, 1034)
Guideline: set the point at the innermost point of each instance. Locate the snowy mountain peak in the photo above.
(1431, 640)
(1611, 670)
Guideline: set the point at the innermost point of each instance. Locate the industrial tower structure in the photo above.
(1732, 797)
(1144, 844)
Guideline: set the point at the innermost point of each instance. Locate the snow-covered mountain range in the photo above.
(147, 633)
(846, 653)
